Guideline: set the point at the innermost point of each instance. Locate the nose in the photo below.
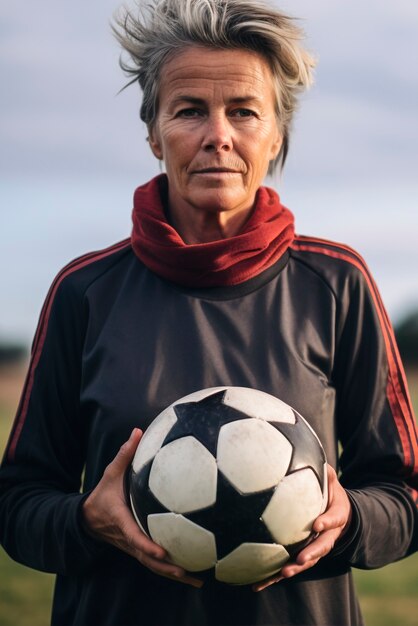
(217, 137)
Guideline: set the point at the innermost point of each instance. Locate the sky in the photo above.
(73, 150)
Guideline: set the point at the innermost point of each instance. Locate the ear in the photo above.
(276, 145)
(154, 142)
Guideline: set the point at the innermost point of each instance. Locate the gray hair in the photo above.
(160, 28)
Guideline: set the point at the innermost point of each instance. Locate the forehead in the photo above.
(200, 72)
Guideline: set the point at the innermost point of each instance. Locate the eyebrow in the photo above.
(193, 100)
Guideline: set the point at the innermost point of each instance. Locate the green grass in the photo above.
(388, 596)
(25, 594)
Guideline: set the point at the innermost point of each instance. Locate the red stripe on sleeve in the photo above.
(41, 332)
(397, 390)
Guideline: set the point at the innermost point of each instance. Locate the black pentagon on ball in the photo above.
(234, 518)
(307, 449)
(203, 420)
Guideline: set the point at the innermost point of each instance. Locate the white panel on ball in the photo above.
(325, 496)
(293, 507)
(252, 454)
(259, 404)
(240, 565)
(183, 476)
(188, 545)
(153, 438)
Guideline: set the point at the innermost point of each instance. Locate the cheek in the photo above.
(179, 148)
(270, 142)
(258, 154)
(176, 165)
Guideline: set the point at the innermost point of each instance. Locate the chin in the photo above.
(220, 200)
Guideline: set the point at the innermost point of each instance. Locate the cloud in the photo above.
(60, 109)
(73, 151)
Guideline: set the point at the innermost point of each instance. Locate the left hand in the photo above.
(331, 525)
(107, 517)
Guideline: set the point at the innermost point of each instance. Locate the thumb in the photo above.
(127, 452)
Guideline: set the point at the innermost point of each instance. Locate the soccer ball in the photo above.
(230, 480)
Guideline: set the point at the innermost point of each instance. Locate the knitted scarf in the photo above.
(262, 241)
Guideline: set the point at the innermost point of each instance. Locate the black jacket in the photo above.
(116, 344)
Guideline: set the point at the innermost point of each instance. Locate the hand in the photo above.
(331, 525)
(108, 518)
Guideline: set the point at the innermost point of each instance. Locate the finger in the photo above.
(153, 556)
(138, 542)
(163, 568)
(318, 548)
(267, 583)
(194, 582)
(126, 453)
(288, 571)
(338, 515)
(311, 554)
(169, 570)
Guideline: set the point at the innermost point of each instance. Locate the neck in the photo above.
(196, 225)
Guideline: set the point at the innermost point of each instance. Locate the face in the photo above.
(216, 128)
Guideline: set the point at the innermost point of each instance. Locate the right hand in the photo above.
(107, 517)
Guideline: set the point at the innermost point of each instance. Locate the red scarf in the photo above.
(264, 238)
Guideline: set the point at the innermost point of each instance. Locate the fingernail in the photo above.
(133, 433)
(178, 574)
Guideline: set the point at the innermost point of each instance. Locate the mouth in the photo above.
(217, 170)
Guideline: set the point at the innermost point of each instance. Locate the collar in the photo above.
(264, 238)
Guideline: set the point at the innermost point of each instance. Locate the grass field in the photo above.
(388, 596)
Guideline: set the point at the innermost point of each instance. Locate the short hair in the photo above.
(160, 28)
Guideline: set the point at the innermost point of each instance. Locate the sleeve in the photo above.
(377, 431)
(41, 473)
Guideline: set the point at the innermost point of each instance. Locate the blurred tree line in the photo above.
(12, 353)
(406, 335)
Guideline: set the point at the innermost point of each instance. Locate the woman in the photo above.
(213, 288)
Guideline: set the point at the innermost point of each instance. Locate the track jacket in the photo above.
(116, 344)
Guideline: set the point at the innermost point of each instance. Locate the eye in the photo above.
(188, 113)
(243, 113)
